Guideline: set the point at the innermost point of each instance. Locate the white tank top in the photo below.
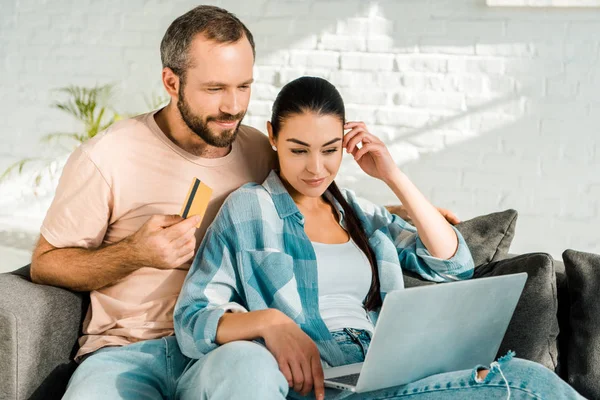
(344, 280)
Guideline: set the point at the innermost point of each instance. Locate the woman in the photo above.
(302, 267)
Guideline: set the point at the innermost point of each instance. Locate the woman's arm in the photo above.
(435, 249)
(435, 232)
(212, 311)
(247, 326)
(210, 290)
(400, 211)
(296, 354)
(412, 252)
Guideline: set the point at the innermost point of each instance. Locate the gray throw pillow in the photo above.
(489, 236)
(533, 329)
(583, 365)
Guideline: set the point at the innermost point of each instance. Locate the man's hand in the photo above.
(449, 215)
(297, 355)
(400, 211)
(165, 241)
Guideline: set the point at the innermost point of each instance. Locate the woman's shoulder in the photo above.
(243, 205)
(249, 193)
(359, 203)
(367, 211)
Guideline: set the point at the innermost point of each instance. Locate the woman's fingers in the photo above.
(297, 375)
(353, 142)
(367, 148)
(284, 367)
(352, 124)
(349, 135)
(318, 377)
(354, 127)
(308, 377)
(357, 135)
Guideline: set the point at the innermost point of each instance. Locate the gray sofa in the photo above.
(39, 327)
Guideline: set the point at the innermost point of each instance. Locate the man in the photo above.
(112, 228)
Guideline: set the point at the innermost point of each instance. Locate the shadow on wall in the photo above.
(485, 108)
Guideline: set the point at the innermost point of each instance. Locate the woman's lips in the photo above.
(313, 182)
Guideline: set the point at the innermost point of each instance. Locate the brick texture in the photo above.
(484, 107)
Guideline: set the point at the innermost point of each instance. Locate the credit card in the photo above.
(196, 200)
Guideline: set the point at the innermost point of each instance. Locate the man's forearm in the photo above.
(81, 269)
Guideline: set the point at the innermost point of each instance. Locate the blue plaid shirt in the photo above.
(256, 255)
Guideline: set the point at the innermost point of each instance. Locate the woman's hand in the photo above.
(296, 353)
(373, 157)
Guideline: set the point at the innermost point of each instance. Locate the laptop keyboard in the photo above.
(346, 379)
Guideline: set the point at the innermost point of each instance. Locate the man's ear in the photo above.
(171, 83)
(270, 131)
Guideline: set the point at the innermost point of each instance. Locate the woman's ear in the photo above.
(270, 131)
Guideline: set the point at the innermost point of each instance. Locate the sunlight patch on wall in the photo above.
(543, 3)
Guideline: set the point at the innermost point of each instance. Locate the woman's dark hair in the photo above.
(316, 95)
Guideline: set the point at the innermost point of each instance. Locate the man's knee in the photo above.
(90, 379)
(109, 375)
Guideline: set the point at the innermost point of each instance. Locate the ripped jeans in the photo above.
(508, 378)
(156, 369)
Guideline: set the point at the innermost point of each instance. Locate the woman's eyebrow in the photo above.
(307, 145)
(298, 142)
(332, 142)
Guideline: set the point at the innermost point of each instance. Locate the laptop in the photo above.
(433, 329)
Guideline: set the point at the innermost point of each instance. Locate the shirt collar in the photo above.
(284, 204)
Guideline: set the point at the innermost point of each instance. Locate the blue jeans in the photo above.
(521, 378)
(156, 369)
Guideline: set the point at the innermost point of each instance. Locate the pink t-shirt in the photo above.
(111, 186)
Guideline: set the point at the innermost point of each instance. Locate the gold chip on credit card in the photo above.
(196, 200)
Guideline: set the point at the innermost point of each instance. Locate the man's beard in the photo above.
(200, 127)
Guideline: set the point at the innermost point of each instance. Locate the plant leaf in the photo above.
(89, 106)
(58, 135)
(16, 166)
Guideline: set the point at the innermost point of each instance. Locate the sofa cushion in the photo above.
(39, 327)
(489, 236)
(583, 362)
(564, 325)
(533, 330)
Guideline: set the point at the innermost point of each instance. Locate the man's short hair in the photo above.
(213, 22)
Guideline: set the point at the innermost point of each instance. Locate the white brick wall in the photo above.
(484, 107)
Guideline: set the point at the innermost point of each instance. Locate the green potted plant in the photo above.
(88, 105)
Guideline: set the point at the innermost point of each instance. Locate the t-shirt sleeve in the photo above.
(80, 212)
